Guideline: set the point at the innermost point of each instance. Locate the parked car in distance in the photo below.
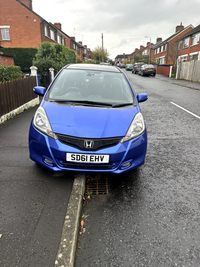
(129, 66)
(89, 120)
(121, 65)
(105, 63)
(147, 70)
(136, 66)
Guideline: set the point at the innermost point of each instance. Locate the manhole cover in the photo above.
(97, 185)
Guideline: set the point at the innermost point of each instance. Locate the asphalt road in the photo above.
(151, 217)
(33, 201)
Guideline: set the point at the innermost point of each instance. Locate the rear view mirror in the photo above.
(39, 90)
(142, 97)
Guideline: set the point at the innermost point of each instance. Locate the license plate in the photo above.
(88, 158)
(150, 70)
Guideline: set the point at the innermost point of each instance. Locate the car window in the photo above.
(89, 85)
(149, 66)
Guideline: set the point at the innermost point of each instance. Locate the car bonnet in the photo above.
(89, 122)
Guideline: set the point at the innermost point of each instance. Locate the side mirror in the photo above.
(142, 97)
(39, 90)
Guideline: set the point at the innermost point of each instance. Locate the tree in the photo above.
(52, 55)
(97, 54)
(174, 51)
(141, 58)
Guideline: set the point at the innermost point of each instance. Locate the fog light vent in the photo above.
(126, 165)
(48, 161)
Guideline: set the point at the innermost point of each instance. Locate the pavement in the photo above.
(185, 83)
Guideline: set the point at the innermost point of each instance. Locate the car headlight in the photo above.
(41, 122)
(136, 128)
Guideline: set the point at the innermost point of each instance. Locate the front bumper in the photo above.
(51, 154)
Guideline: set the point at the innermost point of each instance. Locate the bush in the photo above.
(52, 55)
(9, 73)
(23, 56)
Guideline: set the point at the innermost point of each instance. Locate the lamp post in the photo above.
(149, 48)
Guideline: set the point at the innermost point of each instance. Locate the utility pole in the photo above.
(102, 48)
(149, 49)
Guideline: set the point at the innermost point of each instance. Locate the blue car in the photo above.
(89, 121)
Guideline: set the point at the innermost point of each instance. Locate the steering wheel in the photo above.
(73, 89)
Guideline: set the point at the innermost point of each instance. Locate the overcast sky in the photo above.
(124, 23)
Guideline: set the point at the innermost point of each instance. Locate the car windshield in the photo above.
(91, 86)
(149, 66)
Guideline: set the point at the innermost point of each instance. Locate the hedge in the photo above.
(23, 56)
(9, 73)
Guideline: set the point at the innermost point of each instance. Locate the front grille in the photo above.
(87, 166)
(79, 142)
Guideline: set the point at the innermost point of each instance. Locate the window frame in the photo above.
(5, 33)
(46, 32)
(52, 34)
(59, 39)
(197, 38)
(186, 42)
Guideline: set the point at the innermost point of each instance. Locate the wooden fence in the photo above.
(16, 93)
(189, 71)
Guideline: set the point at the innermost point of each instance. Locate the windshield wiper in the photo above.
(122, 105)
(82, 102)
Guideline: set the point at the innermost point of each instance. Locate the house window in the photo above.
(195, 39)
(186, 42)
(158, 50)
(63, 41)
(5, 34)
(155, 52)
(162, 60)
(161, 50)
(184, 58)
(179, 45)
(144, 52)
(165, 47)
(52, 34)
(46, 31)
(194, 57)
(59, 39)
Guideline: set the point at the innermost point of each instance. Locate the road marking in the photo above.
(185, 110)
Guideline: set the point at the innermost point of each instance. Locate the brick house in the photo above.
(189, 45)
(166, 52)
(20, 26)
(121, 58)
(137, 52)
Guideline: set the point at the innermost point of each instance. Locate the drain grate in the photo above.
(97, 186)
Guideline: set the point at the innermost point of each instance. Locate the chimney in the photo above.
(58, 25)
(80, 43)
(73, 38)
(179, 27)
(148, 43)
(141, 46)
(158, 40)
(28, 3)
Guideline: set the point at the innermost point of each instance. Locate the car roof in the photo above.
(93, 67)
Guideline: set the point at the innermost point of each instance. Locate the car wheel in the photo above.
(153, 75)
